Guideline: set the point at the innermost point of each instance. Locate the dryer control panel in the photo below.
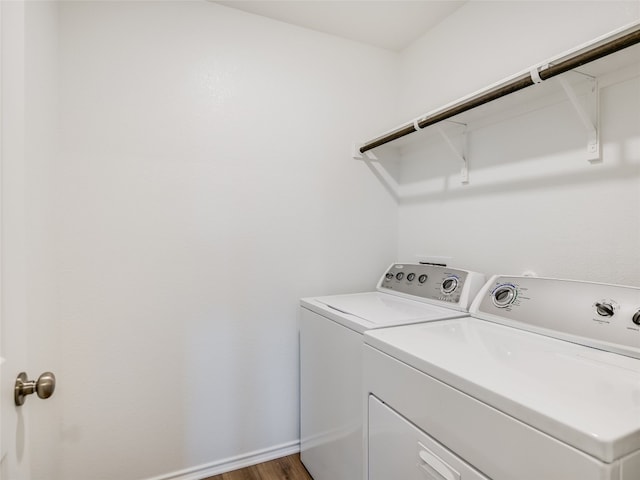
(452, 287)
(593, 314)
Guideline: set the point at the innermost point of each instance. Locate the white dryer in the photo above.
(541, 382)
(331, 328)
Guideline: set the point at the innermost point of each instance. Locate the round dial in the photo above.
(604, 309)
(411, 276)
(449, 285)
(636, 317)
(389, 276)
(504, 295)
(399, 276)
(422, 278)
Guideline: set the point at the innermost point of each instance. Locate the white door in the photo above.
(13, 335)
(23, 345)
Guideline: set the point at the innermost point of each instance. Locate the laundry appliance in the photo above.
(541, 382)
(331, 342)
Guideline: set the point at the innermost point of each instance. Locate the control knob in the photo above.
(604, 309)
(449, 285)
(636, 317)
(504, 295)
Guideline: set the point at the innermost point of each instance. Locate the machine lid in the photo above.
(381, 309)
(587, 398)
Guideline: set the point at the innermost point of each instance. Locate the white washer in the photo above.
(331, 328)
(544, 383)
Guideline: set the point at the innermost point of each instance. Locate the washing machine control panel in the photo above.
(433, 283)
(594, 314)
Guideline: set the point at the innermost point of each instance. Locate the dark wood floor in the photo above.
(285, 468)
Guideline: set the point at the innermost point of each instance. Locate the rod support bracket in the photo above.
(460, 153)
(356, 154)
(535, 73)
(589, 115)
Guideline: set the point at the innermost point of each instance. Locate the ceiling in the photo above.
(384, 23)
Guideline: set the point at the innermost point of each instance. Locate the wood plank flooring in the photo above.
(285, 468)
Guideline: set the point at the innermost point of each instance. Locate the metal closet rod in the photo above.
(518, 84)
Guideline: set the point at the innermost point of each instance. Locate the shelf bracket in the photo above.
(590, 117)
(459, 153)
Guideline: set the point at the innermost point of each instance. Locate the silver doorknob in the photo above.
(44, 387)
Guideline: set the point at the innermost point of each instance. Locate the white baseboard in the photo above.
(233, 463)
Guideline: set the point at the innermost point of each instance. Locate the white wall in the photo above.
(533, 202)
(204, 185)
